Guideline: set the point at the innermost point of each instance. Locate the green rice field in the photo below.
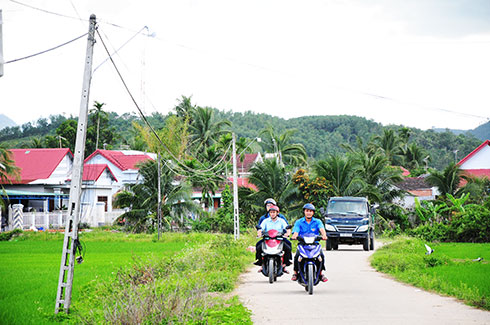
(30, 263)
(451, 269)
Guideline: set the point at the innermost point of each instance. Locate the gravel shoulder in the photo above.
(355, 293)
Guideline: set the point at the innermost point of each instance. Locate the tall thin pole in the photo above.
(159, 213)
(236, 217)
(65, 282)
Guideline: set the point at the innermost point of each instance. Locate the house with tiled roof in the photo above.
(123, 164)
(41, 171)
(416, 187)
(477, 162)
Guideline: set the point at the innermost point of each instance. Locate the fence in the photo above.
(57, 219)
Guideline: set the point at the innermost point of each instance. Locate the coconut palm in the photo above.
(204, 130)
(142, 198)
(379, 177)
(272, 180)
(391, 145)
(340, 172)
(289, 153)
(447, 181)
(97, 110)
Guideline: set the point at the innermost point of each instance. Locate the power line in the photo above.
(51, 49)
(148, 123)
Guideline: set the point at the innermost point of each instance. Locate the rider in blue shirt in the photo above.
(308, 225)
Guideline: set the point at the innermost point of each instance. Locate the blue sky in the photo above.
(421, 63)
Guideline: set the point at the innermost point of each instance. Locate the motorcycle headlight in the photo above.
(330, 227)
(362, 228)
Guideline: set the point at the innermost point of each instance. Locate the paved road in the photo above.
(354, 294)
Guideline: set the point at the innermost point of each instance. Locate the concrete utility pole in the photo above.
(159, 212)
(236, 218)
(65, 283)
(1, 44)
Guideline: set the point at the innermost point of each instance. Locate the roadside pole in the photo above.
(236, 217)
(159, 206)
(70, 243)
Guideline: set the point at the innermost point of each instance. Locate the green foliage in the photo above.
(222, 220)
(448, 270)
(171, 290)
(316, 191)
(7, 235)
(470, 224)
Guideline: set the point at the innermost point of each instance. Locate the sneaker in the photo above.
(258, 263)
(284, 269)
(323, 278)
(294, 277)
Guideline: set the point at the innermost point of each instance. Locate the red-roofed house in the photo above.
(123, 164)
(477, 162)
(98, 184)
(243, 166)
(41, 171)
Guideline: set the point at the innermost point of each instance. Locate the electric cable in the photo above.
(146, 120)
(51, 49)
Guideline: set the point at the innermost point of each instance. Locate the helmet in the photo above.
(274, 207)
(309, 206)
(270, 200)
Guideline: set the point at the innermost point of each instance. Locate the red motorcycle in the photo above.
(272, 255)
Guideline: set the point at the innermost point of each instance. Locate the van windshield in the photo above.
(345, 208)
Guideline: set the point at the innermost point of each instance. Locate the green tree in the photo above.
(205, 130)
(142, 198)
(272, 180)
(447, 181)
(340, 172)
(292, 154)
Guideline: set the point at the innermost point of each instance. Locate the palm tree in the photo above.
(340, 171)
(7, 165)
(379, 177)
(272, 180)
(97, 110)
(204, 130)
(142, 198)
(391, 145)
(293, 154)
(447, 181)
(185, 109)
(414, 156)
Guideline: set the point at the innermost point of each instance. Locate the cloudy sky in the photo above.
(421, 63)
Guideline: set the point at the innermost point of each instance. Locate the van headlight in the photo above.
(330, 227)
(362, 228)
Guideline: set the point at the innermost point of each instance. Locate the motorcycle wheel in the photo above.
(311, 275)
(271, 270)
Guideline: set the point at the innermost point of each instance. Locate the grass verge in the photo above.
(174, 268)
(449, 270)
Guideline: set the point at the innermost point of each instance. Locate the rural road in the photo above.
(354, 294)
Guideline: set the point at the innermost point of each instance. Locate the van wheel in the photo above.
(365, 244)
(335, 245)
(371, 241)
(328, 245)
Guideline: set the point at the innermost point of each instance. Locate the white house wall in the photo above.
(60, 174)
(479, 160)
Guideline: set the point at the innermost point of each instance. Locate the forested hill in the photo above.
(322, 135)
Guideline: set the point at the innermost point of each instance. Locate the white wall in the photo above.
(480, 160)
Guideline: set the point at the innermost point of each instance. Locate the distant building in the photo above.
(477, 162)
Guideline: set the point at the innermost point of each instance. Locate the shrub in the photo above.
(472, 225)
(431, 232)
(4, 236)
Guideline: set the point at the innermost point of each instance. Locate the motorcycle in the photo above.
(309, 274)
(272, 255)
